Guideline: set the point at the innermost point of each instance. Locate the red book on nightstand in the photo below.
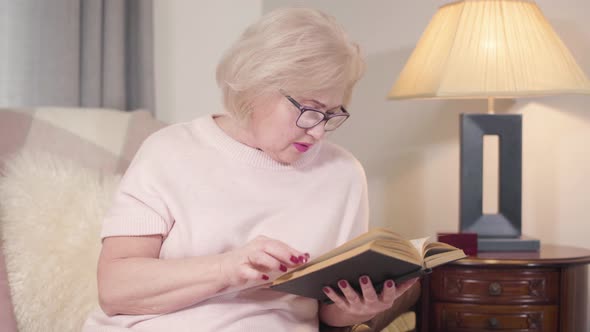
(465, 241)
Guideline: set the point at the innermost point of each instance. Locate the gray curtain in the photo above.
(90, 53)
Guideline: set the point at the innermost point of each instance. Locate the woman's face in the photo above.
(273, 126)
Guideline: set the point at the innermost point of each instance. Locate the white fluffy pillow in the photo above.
(51, 211)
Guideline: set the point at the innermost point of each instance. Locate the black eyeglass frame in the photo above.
(326, 116)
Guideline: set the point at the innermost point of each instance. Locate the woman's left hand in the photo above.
(368, 303)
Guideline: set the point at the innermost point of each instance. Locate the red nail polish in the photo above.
(389, 283)
(343, 284)
(301, 259)
(264, 277)
(326, 290)
(283, 268)
(306, 256)
(364, 280)
(294, 259)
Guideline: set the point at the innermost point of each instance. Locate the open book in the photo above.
(380, 253)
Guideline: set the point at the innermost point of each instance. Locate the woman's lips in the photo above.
(302, 147)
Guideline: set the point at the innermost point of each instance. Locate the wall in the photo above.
(190, 37)
(409, 148)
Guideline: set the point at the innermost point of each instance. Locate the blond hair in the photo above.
(298, 50)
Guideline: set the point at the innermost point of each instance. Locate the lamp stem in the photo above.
(490, 105)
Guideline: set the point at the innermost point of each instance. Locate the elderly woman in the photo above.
(212, 209)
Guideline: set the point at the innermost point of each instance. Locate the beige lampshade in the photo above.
(489, 48)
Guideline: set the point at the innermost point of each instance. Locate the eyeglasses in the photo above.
(310, 117)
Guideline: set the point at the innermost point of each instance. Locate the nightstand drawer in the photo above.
(495, 286)
(452, 317)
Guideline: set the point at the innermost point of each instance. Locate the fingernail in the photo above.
(326, 290)
(364, 280)
(389, 283)
(306, 256)
(343, 284)
(302, 259)
(264, 277)
(294, 259)
(283, 268)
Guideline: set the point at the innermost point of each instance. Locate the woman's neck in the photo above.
(235, 130)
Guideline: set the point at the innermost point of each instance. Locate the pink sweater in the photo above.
(207, 193)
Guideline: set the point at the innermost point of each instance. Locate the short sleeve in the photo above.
(138, 207)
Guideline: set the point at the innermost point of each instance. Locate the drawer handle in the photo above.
(495, 289)
(493, 322)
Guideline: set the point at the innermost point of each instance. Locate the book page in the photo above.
(381, 237)
(373, 234)
(420, 244)
(434, 248)
(443, 257)
(436, 253)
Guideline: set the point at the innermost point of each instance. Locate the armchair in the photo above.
(58, 168)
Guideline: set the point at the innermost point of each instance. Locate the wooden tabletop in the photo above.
(548, 255)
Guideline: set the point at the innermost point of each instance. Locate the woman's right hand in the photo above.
(257, 259)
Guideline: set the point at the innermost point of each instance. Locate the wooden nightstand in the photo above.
(509, 291)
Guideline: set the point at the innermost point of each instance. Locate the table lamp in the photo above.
(489, 49)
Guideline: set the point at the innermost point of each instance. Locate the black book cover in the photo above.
(377, 266)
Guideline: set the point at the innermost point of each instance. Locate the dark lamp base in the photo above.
(523, 243)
